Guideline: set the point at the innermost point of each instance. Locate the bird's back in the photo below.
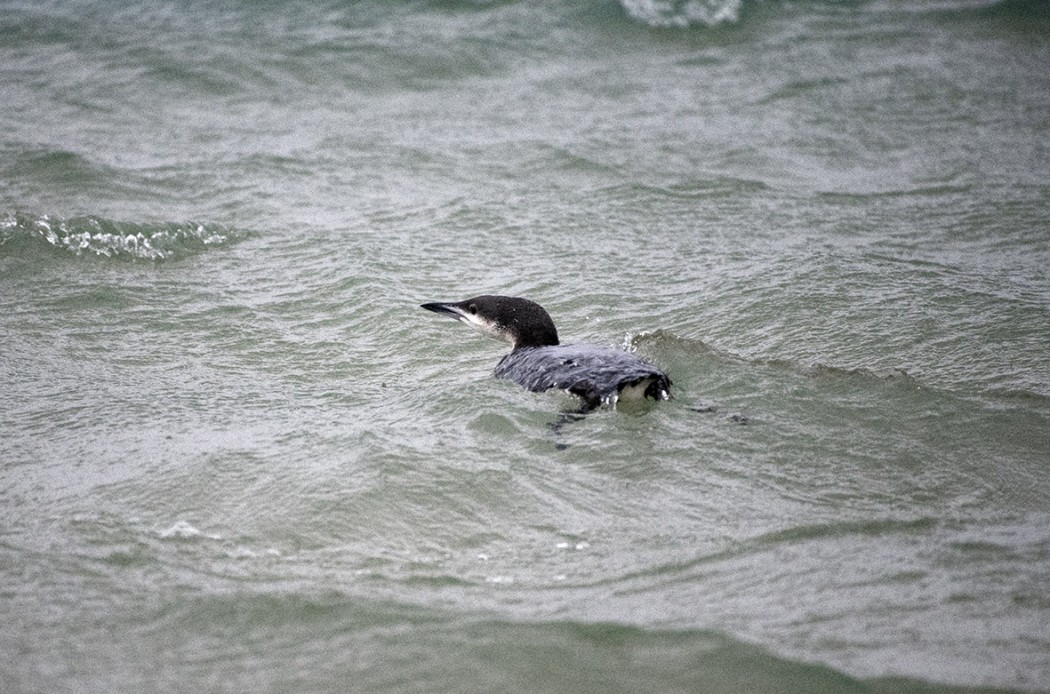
(596, 374)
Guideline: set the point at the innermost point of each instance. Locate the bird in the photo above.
(539, 362)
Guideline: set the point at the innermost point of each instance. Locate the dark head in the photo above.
(521, 322)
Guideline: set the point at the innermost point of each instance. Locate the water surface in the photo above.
(236, 455)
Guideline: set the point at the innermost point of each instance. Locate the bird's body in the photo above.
(599, 375)
(538, 362)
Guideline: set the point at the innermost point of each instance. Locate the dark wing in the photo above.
(593, 373)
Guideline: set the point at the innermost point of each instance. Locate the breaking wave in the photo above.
(683, 13)
(102, 237)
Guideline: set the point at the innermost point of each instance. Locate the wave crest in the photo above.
(683, 13)
(103, 237)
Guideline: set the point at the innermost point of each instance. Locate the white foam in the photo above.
(683, 13)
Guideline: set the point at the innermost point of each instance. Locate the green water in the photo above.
(236, 455)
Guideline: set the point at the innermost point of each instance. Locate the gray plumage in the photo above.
(598, 375)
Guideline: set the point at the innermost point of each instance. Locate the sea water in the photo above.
(235, 454)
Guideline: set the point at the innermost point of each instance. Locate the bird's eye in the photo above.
(473, 308)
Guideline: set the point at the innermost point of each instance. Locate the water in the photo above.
(236, 455)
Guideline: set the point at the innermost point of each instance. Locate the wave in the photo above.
(107, 238)
(684, 357)
(664, 340)
(1026, 14)
(409, 647)
(684, 568)
(683, 13)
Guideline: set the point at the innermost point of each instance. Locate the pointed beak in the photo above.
(449, 309)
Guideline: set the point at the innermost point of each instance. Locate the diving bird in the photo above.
(538, 362)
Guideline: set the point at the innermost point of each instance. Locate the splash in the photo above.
(102, 237)
(683, 13)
